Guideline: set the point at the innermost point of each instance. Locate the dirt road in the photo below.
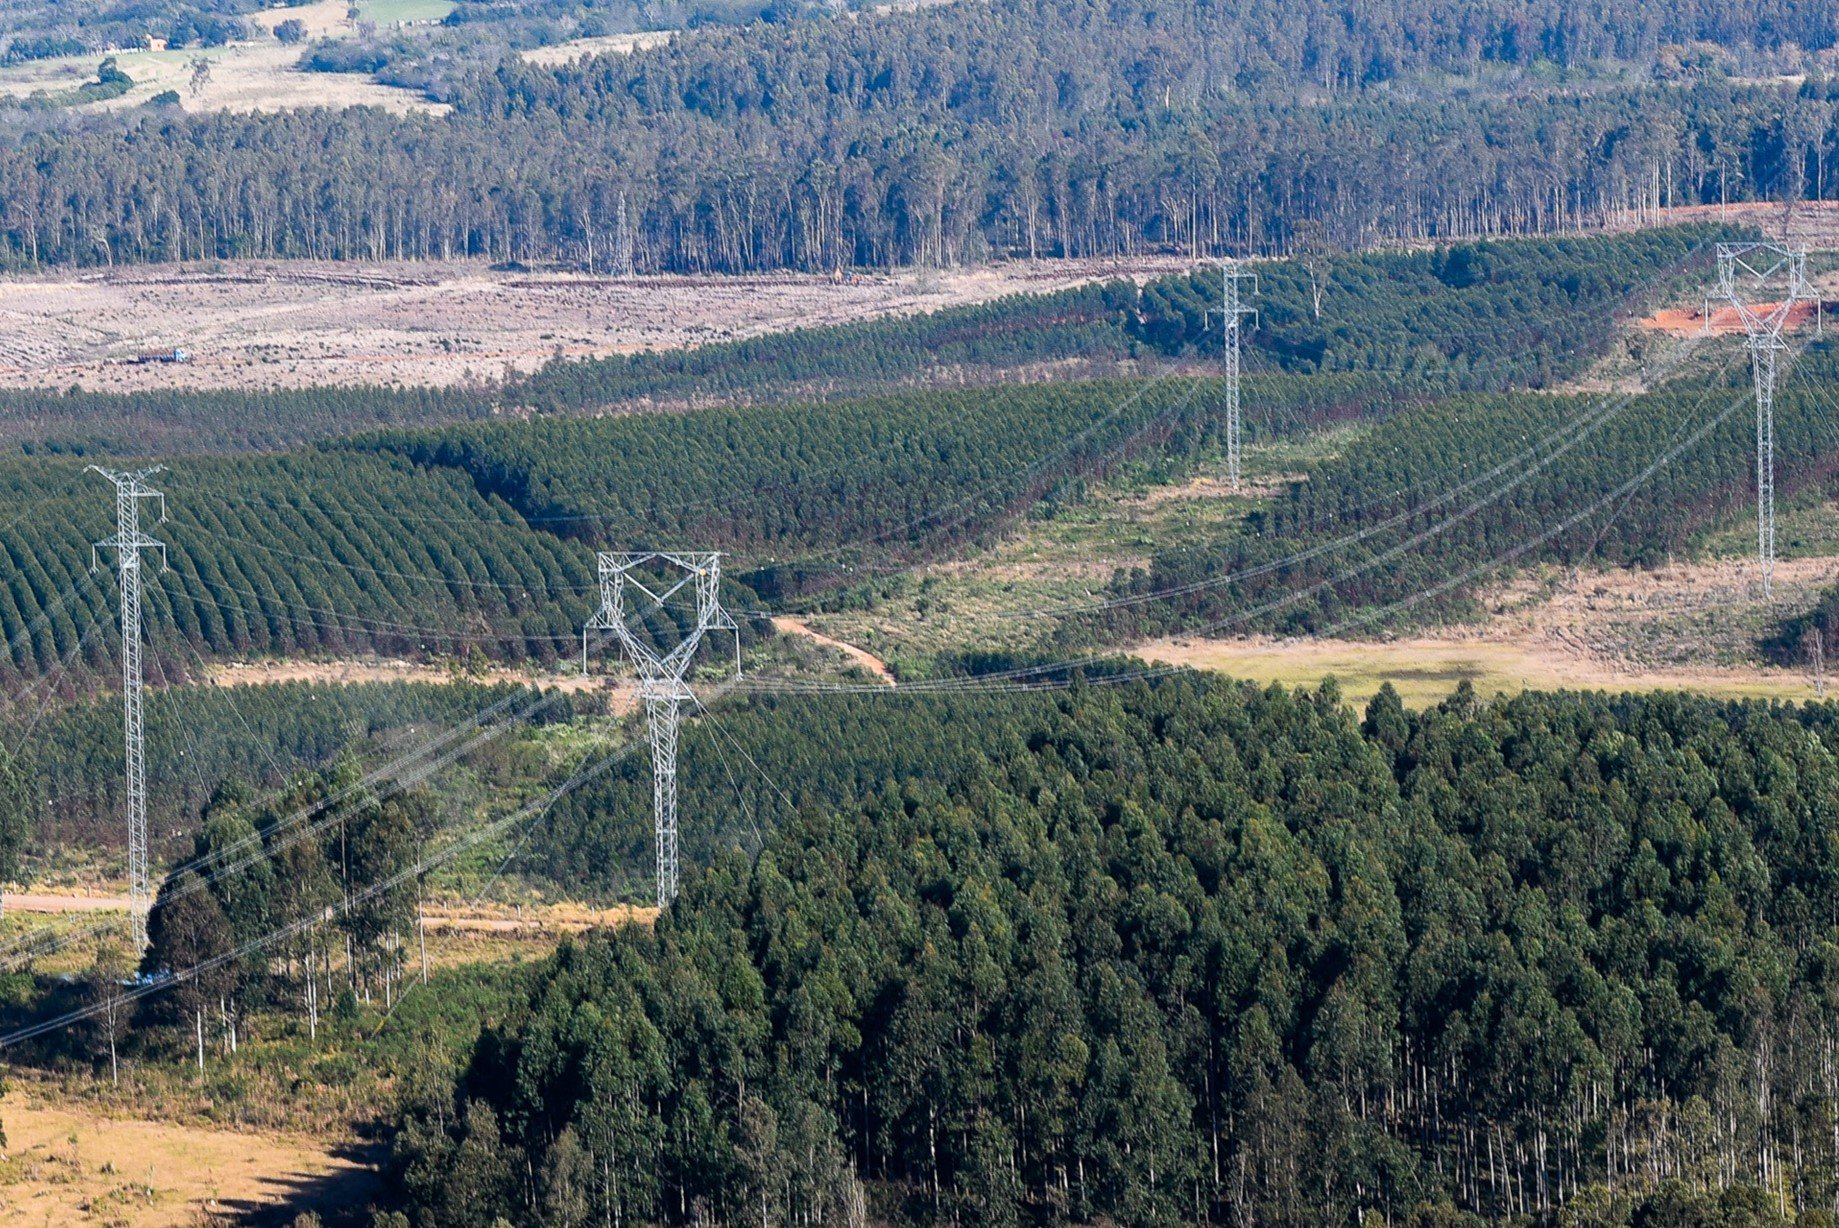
(861, 656)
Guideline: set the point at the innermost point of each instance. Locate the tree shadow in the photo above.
(340, 1198)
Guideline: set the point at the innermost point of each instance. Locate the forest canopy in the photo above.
(962, 132)
(1192, 952)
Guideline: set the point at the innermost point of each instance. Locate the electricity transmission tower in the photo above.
(1775, 276)
(660, 575)
(1232, 313)
(128, 542)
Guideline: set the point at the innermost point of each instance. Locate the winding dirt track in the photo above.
(861, 656)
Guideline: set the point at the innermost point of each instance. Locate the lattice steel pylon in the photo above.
(128, 542)
(1232, 312)
(1776, 276)
(661, 674)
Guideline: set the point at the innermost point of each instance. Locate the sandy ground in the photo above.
(254, 325)
(65, 1165)
(258, 75)
(873, 664)
(1587, 635)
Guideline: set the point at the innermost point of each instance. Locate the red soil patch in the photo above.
(1684, 322)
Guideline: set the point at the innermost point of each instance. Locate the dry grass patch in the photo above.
(261, 74)
(1688, 627)
(68, 1163)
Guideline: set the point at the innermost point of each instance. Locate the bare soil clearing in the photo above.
(255, 325)
(1725, 322)
(1687, 627)
(66, 1164)
(1808, 223)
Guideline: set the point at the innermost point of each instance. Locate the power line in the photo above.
(301, 925)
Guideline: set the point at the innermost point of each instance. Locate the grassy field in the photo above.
(260, 74)
(1065, 556)
(69, 1163)
(388, 12)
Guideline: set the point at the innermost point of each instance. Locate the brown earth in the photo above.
(291, 324)
(67, 1164)
(1725, 322)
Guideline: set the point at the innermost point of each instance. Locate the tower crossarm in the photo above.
(629, 590)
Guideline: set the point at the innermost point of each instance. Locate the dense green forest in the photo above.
(1485, 315)
(168, 422)
(810, 494)
(479, 542)
(477, 537)
(274, 555)
(958, 132)
(1193, 952)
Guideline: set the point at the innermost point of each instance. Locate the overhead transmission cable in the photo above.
(301, 925)
(991, 681)
(405, 771)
